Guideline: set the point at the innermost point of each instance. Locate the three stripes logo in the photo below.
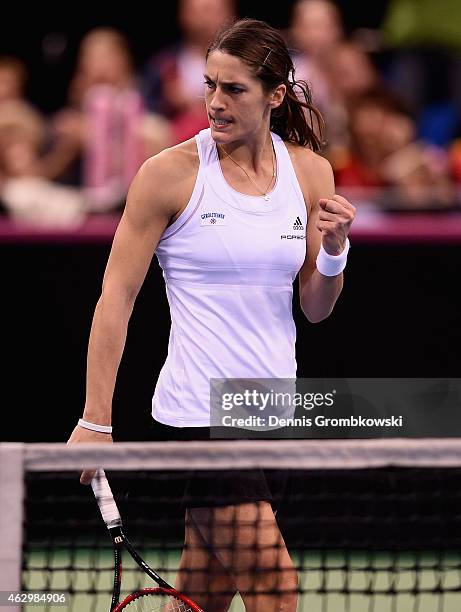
(298, 224)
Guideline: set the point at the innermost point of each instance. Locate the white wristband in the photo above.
(95, 426)
(332, 265)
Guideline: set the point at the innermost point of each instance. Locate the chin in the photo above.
(218, 138)
(221, 137)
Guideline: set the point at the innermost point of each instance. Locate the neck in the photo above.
(251, 154)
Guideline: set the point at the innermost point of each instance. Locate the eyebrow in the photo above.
(231, 83)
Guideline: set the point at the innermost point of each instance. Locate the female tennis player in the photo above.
(233, 216)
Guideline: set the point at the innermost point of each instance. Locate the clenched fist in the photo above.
(335, 218)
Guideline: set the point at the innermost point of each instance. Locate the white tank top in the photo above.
(229, 262)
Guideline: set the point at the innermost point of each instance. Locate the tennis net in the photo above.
(370, 525)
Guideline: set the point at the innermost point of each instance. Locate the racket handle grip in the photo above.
(105, 499)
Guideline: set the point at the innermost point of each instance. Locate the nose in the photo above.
(217, 102)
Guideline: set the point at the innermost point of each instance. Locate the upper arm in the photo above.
(317, 183)
(151, 202)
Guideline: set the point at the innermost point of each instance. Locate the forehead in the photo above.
(225, 67)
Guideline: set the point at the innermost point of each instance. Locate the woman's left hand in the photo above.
(335, 218)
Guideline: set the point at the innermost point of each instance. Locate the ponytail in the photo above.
(297, 119)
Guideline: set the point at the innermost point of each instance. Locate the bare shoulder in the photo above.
(309, 161)
(165, 181)
(173, 165)
(180, 158)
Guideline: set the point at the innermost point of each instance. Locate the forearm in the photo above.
(105, 349)
(318, 295)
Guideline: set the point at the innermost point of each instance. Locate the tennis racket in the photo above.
(163, 598)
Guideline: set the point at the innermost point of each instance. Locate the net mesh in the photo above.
(383, 537)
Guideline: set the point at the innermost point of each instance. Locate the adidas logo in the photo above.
(298, 225)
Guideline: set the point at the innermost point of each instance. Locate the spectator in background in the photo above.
(455, 162)
(103, 136)
(350, 74)
(13, 76)
(25, 194)
(22, 134)
(425, 68)
(174, 77)
(19, 121)
(386, 164)
(316, 29)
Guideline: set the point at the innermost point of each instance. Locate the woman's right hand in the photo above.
(80, 434)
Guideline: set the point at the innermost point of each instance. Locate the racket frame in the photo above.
(114, 525)
(157, 591)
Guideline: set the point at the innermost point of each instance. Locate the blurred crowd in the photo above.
(391, 99)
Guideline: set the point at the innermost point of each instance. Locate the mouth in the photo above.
(219, 124)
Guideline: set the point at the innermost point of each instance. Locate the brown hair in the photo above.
(264, 50)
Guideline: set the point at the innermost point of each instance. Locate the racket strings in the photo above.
(158, 603)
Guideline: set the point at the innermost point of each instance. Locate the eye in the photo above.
(209, 84)
(235, 90)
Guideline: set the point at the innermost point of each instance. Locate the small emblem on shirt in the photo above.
(298, 225)
(213, 218)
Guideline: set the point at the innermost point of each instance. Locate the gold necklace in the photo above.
(264, 194)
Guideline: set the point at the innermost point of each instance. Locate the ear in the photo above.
(277, 96)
